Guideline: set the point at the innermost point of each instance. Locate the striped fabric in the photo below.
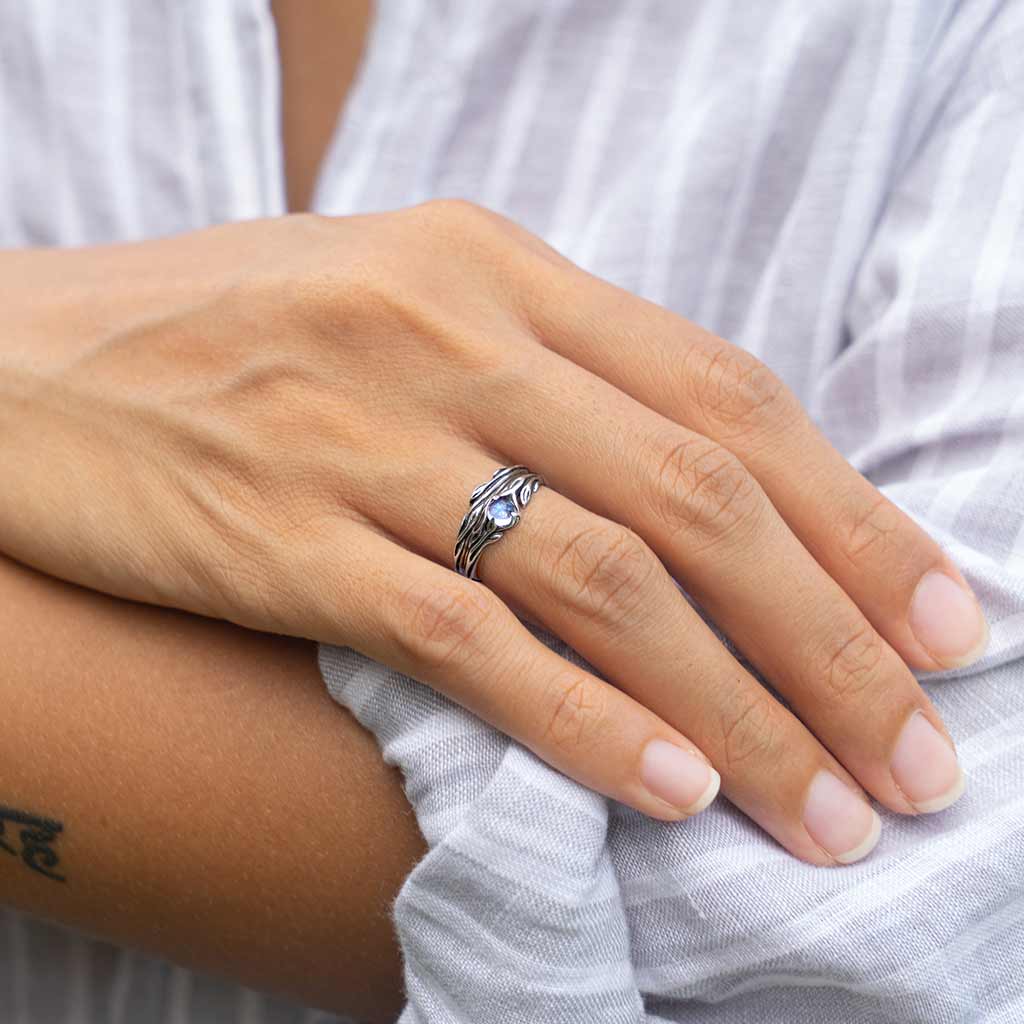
(49, 975)
(839, 187)
(836, 185)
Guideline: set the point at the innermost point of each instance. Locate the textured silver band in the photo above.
(494, 508)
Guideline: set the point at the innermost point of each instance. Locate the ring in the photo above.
(494, 508)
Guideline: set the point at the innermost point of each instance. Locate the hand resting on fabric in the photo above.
(279, 423)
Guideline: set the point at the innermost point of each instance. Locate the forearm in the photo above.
(215, 806)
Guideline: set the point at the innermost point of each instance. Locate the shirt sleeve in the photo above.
(927, 396)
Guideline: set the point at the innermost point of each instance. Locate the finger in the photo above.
(901, 579)
(599, 587)
(458, 637)
(711, 523)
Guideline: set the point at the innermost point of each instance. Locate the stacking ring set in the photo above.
(495, 507)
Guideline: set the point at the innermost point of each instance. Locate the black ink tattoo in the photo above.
(36, 836)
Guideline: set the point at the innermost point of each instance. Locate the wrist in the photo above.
(47, 312)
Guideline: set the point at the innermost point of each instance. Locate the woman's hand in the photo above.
(280, 423)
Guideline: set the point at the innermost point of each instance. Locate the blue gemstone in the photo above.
(501, 512)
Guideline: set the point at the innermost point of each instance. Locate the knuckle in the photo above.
(576, 713)
(749, 726)
(702, 488)
(451, 208)
(850, 662)
(452, 215)
(735, 392)
(442, 626)
(477, 235)
(601, 572)
(871, 531)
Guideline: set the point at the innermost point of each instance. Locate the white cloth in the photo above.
(839, 188)
(836, 185)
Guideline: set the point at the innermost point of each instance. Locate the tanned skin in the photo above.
(186, 786)
(206, 799)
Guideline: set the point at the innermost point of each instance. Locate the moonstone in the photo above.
(501, 511)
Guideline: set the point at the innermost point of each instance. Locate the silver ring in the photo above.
(494, 508)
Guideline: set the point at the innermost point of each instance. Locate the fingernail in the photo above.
(947, 620)
(925, 767)
(840, 821)
(678, 777)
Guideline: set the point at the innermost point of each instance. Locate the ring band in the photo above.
(494, 508)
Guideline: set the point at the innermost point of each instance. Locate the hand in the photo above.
(280, 423)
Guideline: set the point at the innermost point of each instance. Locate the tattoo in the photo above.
(35, 836)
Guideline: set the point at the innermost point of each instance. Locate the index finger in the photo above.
(900, 578)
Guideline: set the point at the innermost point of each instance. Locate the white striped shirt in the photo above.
(837, 186)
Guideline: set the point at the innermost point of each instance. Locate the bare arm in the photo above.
(215, 805)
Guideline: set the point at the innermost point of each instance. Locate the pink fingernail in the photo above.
(838, 820)
(925, 767)
(678, 777)
(947, 620)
